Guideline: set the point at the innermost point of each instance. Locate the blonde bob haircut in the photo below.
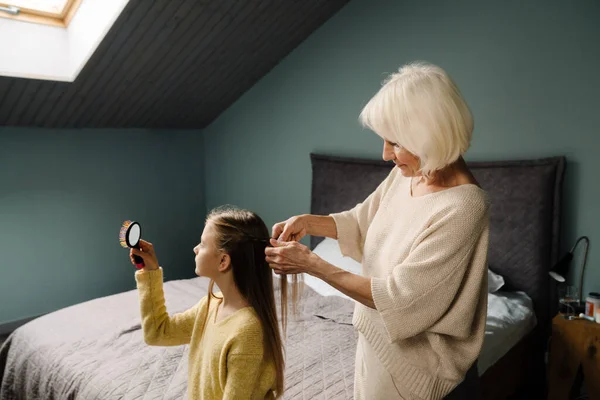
(421, 109)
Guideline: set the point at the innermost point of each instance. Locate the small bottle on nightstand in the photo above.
(592, 303)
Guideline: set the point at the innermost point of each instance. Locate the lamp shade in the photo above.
(560, 269)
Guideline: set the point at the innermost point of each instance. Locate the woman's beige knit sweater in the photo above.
(427, 257)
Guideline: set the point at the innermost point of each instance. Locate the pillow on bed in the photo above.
(495, 281)
(329, 250)
(322, 288)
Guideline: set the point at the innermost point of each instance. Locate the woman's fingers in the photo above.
(289, 230)
(290, 251)
(276, 244)
(280, 253)
(274, 259)
(277, 249)
(277, 229)
(290, 233)
(285, 233)
(277, 269)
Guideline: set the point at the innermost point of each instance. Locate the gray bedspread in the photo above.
(95, 350)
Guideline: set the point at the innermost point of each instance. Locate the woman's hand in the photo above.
(293, 229)
(290, 258)
(146, 251)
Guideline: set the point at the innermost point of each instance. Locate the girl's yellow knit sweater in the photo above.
(226, 361)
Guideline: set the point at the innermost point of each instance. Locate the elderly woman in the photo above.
(422, 239)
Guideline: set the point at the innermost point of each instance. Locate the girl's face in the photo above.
(210, 261)
(407, 162)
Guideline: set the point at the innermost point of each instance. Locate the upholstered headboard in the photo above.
(524, 213)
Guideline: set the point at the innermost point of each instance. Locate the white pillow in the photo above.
(329, 250)
(495, 281)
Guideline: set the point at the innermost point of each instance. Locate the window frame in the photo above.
(61, 20)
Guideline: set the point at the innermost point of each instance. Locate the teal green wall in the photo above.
(527, 68)
(63, 197)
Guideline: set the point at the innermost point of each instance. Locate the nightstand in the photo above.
(574, 344)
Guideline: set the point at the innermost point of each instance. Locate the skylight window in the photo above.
(53, 47)
(49, 12)
(54, 7)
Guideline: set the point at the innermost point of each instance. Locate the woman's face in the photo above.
(208, 257)
(406, 161)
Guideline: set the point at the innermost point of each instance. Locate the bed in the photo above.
(95, 350)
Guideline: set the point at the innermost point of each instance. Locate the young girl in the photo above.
(235, 344)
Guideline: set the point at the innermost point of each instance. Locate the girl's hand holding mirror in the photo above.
(146, 252)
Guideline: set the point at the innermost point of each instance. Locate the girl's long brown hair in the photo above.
(244, 236)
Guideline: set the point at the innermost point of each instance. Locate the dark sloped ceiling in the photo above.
(168, 64)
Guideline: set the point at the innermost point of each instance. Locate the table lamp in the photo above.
(561, 268)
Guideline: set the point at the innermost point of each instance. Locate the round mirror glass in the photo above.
(133, 236)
